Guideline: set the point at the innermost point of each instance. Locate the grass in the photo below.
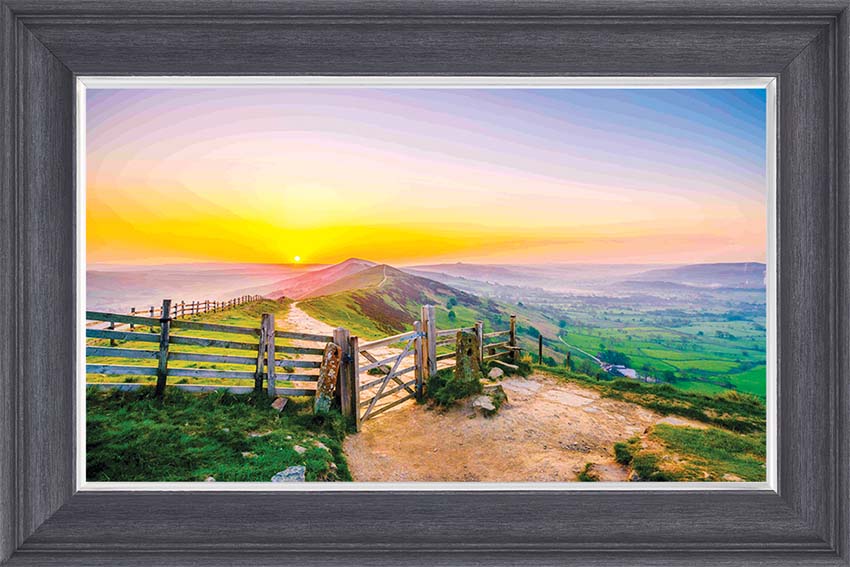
(680, 453)
(588, 474)
(133, 436)
(445, 390)
(342, 310)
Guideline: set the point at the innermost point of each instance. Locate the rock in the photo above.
(279, 403)
(332, 466)
(299, 449)
(729, 477)
(321, 445)
(634, 477)
(248, 454)
(485, 404)
(495, 373)
(291, 474)
(209, 479)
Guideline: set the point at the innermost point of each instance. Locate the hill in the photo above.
(383, 300)
(749, 275)
(305, 284)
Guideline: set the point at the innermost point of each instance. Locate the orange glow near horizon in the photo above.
(215, 177)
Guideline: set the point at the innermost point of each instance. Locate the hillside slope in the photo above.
(383, 300)
(305, 284)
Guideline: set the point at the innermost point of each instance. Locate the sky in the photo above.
(415, 176)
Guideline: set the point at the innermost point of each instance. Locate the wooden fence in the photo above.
(183, 309)
(406, 380)
(264, 359)
(374, 376)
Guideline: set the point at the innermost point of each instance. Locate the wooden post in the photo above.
(132, 312)
(429, 326)
(418, 362)
(261, 356)
(270, 355)
(151, 329)
(539, 349)
(512, 341)
(479, 336)
(206, 305)
(354, 349)
(567, 361)
(112, 328)
(164, 329)
(342, 338)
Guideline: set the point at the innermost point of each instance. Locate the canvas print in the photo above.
(316, 284)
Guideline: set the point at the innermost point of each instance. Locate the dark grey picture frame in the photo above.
(47, 43)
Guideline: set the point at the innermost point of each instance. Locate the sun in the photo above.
(297, 258)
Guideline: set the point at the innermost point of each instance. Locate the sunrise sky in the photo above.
(411, 176)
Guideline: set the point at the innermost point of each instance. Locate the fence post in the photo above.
(261, 355)
(270, 355)
(418, 363)
(132, 312)
(151, 329)
(206, 305)
(342, 338)
(354, 349)
(429, 324)
(112, 328)
(512, 340)
(539, 349)
(479, 335)
(164, 329)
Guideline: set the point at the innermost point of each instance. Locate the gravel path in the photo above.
(547, 431)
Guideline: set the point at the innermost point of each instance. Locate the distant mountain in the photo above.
(384, 300)
(742, 275)
(553, 277)
(305, 284)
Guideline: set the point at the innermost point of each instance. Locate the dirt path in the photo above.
(547, 431)
(298, 320)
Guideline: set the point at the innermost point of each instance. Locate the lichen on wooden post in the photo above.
(328, 374)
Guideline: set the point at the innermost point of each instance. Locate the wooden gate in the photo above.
(375, 371)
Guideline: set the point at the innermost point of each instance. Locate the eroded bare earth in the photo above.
(547, 431)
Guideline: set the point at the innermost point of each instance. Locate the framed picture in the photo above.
(443, 283)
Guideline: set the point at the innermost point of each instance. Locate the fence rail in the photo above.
(374, 376)
(399, 383)
(265, 363)
(177, 310)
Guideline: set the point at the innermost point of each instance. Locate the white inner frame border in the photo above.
(105, 82)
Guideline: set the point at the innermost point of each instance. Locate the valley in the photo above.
(702, 331)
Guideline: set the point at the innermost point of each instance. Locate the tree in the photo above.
(452, 302)
(614, 357)
(562, 324)
(452, 316)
